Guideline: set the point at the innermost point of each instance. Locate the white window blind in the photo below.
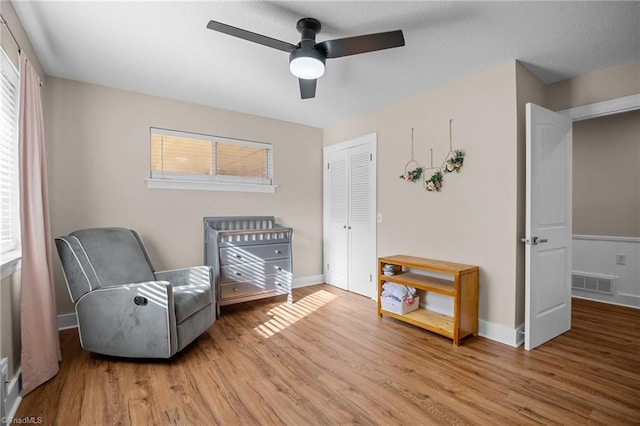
(183, 156)
(9, 191)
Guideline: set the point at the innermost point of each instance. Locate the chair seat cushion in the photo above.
(189, 299)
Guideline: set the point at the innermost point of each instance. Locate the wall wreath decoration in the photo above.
(453, 162)
(412, 170)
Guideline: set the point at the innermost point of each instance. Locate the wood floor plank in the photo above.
(328, 359)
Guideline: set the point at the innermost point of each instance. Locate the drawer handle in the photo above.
(236, 289)
(278, 268)
(238, 273)
(278, 251)
(238, 256)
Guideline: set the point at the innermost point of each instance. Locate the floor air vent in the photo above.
(592, 282)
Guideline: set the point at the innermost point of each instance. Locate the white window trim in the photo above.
(11, 263)
(163, 180)
(11, 256)
(208, 186)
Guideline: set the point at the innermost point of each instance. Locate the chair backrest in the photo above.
(102, 257)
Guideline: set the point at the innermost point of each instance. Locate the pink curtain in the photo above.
(40, 341)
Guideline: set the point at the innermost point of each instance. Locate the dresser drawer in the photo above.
(255, 271)
(273, 285)
(231, 255)
(240, 289)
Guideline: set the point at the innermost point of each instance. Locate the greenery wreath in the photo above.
(434, 183)
(454, 164)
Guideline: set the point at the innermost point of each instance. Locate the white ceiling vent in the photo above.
(593, 282)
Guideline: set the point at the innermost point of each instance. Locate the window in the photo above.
(9, 190)
(192, 161)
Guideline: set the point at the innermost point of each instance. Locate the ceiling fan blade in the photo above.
(307, 88)
(248, 35)
(361, 44)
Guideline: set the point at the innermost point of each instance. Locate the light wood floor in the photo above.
(328, 359)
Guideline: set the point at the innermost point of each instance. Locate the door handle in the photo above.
(535, 241)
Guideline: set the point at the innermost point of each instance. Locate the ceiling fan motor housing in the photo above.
(310, 62)
(308, 28)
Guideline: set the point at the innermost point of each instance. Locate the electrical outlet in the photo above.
(621, 259)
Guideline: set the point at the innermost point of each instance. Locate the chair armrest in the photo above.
(131, 320)
(198, 275)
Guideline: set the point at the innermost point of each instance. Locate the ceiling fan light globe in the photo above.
(306, 67)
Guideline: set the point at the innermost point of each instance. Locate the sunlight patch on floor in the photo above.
(286, 314)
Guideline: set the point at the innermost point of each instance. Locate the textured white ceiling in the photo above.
(165, 49)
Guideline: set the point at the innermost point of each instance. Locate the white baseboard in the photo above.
(633, 298)
(307, 281)
(66, 321)
(500, 333)
(14, 395)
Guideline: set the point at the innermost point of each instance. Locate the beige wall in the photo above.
(10, 286)
(608, 181)
(609, 83)
(606, 175)
(98, 149)
(474, 219)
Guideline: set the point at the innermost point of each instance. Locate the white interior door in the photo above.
(361, 219)
(336, 242)
(350, 215)
(548, 226)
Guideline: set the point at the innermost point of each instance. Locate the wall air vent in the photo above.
(594, 283)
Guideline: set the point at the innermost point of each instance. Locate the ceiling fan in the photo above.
(307, 58)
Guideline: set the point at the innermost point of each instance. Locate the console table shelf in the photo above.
(463, 288)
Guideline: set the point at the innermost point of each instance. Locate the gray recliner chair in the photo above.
(124, 307)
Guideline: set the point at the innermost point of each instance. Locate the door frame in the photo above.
(372, 140)
(604, 108)
(595, 110)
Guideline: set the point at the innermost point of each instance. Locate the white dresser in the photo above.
(251, 256)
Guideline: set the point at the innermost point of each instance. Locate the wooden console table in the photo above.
(463, 289)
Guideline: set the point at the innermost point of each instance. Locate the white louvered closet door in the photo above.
(337, 245)
(360, 277)
(350, 228)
